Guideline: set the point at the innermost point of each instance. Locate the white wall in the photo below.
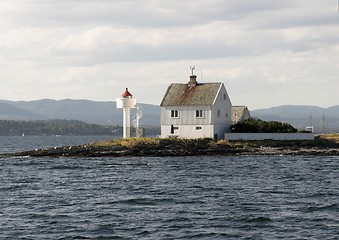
(187, 131)
(271, 136)
(223, 104)
(187, 122)
(220, 130)
(186, 115)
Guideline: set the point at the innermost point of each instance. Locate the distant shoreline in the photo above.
(153, 147)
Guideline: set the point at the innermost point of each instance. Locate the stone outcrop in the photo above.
(176, 148)
(121, 151)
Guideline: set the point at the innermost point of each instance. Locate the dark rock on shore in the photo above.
(121, 151)
(173, 149)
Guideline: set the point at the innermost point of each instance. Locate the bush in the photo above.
(253, 125)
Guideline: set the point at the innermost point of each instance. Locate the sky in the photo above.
(267, 52)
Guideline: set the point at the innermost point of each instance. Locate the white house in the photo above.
(195, 110)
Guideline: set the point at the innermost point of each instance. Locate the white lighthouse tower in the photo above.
(126, 102)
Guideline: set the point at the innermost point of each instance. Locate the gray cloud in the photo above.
(87, 49)
(136, 13)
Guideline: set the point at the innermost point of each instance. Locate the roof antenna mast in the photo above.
(192, 70)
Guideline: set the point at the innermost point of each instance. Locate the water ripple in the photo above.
(247, 197)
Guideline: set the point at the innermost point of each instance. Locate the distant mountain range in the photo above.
(106, 113)
(322, 119)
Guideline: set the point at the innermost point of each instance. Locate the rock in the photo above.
(170, 148)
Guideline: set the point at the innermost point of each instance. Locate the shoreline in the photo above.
(151, 147)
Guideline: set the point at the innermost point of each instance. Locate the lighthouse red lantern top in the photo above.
(126, 100)
(126, 94)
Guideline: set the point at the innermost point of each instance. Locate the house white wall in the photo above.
(221, 113)
(187, 131)
(186, 125)
(187, 115)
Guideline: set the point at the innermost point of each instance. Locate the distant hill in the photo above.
(104, 113)
(8, 111)
(55, 127)
(301, 116)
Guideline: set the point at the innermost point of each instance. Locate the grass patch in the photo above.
(325, 140)
(330, 140)
(223, 142)
(329, 137)
(130, 142)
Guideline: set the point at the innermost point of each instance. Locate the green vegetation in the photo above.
(321, 141)
(253, 125)
(128, 142)
(131, 142)
(159, 147)
(328, 138)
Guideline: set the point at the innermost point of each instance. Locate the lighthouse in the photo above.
(126, 102)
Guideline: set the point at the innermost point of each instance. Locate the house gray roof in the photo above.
(179, 94)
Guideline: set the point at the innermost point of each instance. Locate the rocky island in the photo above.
(327, 145)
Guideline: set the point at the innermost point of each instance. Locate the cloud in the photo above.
(267, 52)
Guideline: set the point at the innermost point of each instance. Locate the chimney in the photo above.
(193, 81)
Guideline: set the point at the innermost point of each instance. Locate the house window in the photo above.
(225, 96)
(198, 128)
(218, 113)
(226, 115)
(174, 114)
(199, 113)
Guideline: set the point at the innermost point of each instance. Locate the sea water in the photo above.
(238, 197)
